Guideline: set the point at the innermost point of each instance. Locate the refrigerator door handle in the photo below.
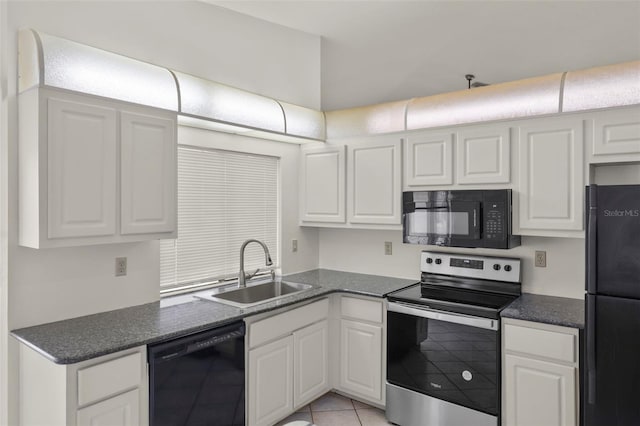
(591, 238)
(591, 349)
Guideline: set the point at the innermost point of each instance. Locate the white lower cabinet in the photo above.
(121, 410)
(539, 392)
(271, 382)
(111, 390)
(288, 363)
(361, 358)
(540, 374)
(310, 363)
(361, 368)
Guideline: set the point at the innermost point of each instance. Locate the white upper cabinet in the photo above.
(148, 170)
(616, 136)
(374, 181)
(322, 184)
(74, 188)
(81, 169)
(483, 155)
(429, 159)
(551, 177)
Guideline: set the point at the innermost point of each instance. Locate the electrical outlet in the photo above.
(121, 266)
(294, 245)
(541, 259)
(387, 248)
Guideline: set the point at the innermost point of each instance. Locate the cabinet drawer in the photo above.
(549, 344)
(109, 378)
(367, 310)
(286, 323)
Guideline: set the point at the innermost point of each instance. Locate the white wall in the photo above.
(54, 284)
(616, 174)
(48, 285)
(363, 251)
(196, 38)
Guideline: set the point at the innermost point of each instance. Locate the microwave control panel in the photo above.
(494, 220)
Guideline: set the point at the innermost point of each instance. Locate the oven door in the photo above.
(450, 223)
(447, 356)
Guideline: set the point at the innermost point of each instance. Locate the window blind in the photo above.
(224, 198)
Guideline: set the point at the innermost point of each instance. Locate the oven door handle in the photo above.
(422, 312)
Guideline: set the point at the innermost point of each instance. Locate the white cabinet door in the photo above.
(121, 410)
(374, 182)
(551, 171)
(270, 389)
(94, 171)
(310, 363)
(616, 135)
(148, 174)
(322, 184)
(361, 359)
(428, 159)
(483, 155)
(81, 169)
(539, 393)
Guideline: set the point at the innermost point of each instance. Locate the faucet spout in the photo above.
(242, 277)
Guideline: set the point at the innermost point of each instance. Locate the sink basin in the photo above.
(254, 293)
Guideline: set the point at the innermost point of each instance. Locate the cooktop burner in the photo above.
(472, 285)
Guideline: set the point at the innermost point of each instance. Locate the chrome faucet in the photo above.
(242, 277)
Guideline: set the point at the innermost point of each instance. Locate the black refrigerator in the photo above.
(612, 306)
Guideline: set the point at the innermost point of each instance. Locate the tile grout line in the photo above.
(356, 411)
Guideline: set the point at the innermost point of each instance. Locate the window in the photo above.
(224, 198)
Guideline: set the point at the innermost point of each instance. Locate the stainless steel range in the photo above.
(443, 341)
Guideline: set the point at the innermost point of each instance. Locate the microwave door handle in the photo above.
(475, 218)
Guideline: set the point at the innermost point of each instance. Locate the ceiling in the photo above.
(379, 51)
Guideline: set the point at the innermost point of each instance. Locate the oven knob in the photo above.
(438, 261)
(429, 260)
(496, 266)
(507, 268)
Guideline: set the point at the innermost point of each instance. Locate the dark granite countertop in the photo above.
(91, 336)
(561, 311)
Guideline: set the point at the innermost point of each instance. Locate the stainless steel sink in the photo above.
(253, 293)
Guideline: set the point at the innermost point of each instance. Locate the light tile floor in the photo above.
(332, 409)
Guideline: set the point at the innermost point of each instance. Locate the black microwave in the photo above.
(467, 218)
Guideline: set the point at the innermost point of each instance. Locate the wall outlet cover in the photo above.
(541, 259)
(388, 248)
(121, 266)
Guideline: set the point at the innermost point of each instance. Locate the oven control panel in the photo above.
(462, 265)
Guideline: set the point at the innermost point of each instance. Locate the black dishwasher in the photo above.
(198, 379)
